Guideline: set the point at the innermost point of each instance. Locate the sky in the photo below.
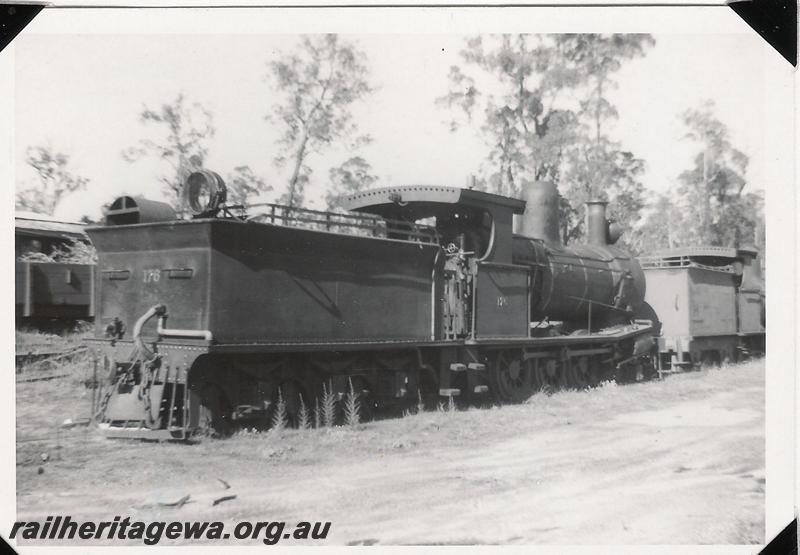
(82, 94)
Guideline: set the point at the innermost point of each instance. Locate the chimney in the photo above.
(540, 219)
(596, 224)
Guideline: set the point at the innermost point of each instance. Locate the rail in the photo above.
(356, 224)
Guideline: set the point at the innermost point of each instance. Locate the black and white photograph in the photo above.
(399, 276)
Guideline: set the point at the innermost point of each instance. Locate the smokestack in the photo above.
(540, 219)
(596, 224)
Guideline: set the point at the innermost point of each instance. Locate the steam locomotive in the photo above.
(416, 294)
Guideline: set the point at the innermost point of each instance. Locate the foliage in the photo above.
(712, 188)
(303, 416)
(662, 227)
(709, 207)
(352, 405)
(243, 185)
(533, 128)
(74, 252)
(597, 167)
(320, 82)
(279, 416)
(187, 128)
(328, 406)
(352, 176)
(54, 180)
(525, 131)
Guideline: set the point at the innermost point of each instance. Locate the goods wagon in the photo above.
(416, 293)
(47, 292)
(710, 302)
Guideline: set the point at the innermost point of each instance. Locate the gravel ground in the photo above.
(679, 461)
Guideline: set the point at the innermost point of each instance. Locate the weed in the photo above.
(303, 417)
(316, 412)
(279, 417)
(328, 406)
(420, 404)
(352, 406)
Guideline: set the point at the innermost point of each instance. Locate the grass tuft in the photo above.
(328, 406)
(279, 417)
(303, 416)
(352, 406)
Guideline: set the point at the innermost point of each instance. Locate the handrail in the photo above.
(335, 220)
(191, 334)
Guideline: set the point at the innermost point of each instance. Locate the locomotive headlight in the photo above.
(204, 193)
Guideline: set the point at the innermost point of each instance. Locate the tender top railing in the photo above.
(339, 222)
(680, 262)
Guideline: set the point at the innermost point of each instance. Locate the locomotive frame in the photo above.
(402, 312)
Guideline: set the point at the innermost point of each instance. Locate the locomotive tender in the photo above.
(711, 304)
(417, 292)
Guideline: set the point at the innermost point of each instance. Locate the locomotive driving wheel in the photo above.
(583, 372)
(511, 380)
(548, 375)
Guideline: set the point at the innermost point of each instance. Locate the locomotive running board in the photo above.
(595, 338)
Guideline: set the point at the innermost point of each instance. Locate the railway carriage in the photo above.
(417, 292)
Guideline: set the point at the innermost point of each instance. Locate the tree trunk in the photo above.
(298, 163)
(706, 224)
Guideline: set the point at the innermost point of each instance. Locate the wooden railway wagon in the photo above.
(52, 291)
(710, 301)
(49, 294)
(419, 292)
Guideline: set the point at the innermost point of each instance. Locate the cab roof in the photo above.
(422, 201)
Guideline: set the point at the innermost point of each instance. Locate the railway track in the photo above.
(36, 358)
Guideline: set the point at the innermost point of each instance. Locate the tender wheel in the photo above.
(214, 414)
(511, 380)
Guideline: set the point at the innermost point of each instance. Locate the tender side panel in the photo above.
(713, 302)
(750, 312)
(278, 284)
(668, 294)
(140, 266)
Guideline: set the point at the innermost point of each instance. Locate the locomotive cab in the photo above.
(482, 293)
(474, 221)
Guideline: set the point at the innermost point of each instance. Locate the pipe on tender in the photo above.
(596, 224)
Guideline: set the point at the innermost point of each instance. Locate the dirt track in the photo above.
(673, 462)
